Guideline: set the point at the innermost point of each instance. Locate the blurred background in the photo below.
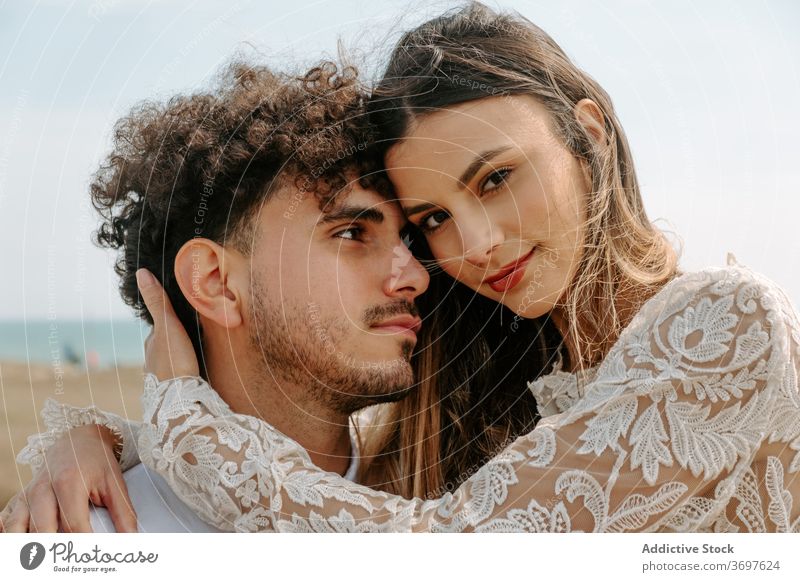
(707, 92)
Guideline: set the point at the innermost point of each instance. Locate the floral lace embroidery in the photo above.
(691, 423)
(557, 391)
(59, 418)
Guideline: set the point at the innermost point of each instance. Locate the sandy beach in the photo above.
(24, 388)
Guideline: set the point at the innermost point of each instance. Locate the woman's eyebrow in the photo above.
(465, 177)
(412, 210)
(478, 162)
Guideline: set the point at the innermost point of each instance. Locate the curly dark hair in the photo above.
(199, 164)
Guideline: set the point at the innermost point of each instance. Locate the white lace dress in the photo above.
(691, 423)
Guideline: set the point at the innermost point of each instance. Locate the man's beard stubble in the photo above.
(301, 345)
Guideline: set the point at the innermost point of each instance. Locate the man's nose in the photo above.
(407, 278)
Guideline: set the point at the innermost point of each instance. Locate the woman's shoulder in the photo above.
(714, 320)
(725, 326)
(713, 297)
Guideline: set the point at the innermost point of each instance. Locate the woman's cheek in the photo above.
(448, 259)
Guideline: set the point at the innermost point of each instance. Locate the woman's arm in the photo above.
(73, 463)
(59, 419)
(673, 422)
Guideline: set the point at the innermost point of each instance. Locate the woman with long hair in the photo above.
(662, 401)
(590, 273)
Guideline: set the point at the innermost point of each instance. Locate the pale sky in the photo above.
(707, 92)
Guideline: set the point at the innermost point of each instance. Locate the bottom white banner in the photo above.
(418, 557)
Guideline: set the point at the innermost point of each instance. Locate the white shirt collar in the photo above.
(354, 454)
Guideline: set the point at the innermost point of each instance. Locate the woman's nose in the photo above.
(479, 240)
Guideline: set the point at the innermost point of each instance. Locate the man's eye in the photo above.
(495, 179)
(352, 233)
(433, 221)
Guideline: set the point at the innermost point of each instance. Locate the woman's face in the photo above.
(498, 196)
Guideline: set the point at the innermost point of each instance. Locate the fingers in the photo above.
(73, 503)
(5, 513)
(168, 349)
(43, 508)
(120, 507)
(156, 300)
(17, 521)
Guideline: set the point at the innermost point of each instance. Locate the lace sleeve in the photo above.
(60, 418)
(216, 461)
(670, 433)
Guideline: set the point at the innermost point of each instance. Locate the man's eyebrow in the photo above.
(478, 162)
(351, 212)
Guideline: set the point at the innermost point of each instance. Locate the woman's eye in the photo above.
(433, 221)
(352, 233)
(495, 179)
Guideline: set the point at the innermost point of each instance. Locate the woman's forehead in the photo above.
(462, 131)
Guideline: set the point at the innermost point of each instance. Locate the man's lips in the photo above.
(510, 275)
(400, 324)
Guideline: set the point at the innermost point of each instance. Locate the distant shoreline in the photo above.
(90, 343)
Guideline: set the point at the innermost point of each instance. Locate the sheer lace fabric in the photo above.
(59, 418)
(691, 423)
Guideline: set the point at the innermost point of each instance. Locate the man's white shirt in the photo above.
(160, 510)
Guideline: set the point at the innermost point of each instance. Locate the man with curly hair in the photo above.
(260, 210)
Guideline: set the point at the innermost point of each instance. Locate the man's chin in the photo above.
(381, 382)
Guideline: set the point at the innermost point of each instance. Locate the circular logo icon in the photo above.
(31, 555)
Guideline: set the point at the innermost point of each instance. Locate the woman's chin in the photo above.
(531, 311)
(526, 304)
(520, 300)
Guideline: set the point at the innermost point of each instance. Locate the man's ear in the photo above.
(204, 271)
(589, 115)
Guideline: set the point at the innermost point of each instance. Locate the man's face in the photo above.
(333, 297)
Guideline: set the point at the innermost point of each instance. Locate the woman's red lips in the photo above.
(510, 275)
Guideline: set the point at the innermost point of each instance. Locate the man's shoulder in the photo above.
(158, 508)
